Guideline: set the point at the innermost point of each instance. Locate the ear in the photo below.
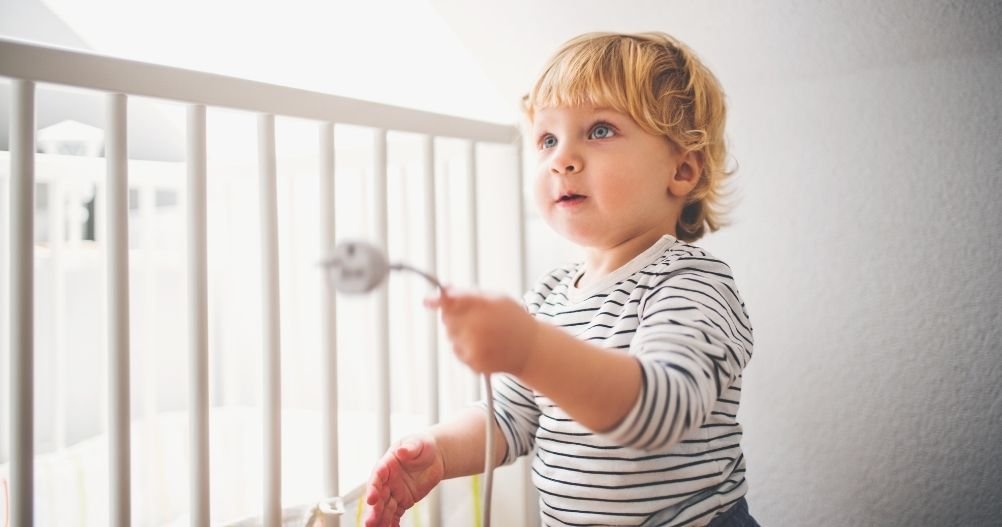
(687, 174)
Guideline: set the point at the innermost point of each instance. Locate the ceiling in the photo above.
(476, 59)
(742, 41)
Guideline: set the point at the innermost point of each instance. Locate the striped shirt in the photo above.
(675, 459)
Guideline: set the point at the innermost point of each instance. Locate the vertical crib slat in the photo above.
(22, 346)
(381, 297)
(520, 203)
(328, 320)
(471, 196)
(529, 496)
(57, 237)
(431, 265)
(198, 316)
(472, 247)
(117, 247)
(272, 418)
(6, 298)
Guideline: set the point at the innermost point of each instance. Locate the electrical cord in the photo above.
(489, 395)
(489, 453)
(360, 267)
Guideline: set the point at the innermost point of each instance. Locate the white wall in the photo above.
(867, 248)
(867, 245)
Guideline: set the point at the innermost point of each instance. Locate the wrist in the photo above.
(531, 347)
(452, 441)
(543, 342)
(432, 440)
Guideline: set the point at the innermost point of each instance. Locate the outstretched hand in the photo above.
(405, 474)
(489, 333)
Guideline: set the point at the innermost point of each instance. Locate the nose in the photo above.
(566, 160)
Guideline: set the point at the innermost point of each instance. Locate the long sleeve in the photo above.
(517, 415)
(692, 342)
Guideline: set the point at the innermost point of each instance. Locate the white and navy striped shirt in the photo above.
(676, 457)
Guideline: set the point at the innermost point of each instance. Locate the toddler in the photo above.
(620, 374)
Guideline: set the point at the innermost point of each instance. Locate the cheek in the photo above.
(541, 191)
(616, 193)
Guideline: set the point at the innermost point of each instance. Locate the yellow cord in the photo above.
(358, 512)
(476, 500)
(416, 514)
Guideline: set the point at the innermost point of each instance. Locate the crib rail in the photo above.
(38, 63)
(29, 64)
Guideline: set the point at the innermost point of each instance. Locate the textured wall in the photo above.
(867, 245)
(866, 241)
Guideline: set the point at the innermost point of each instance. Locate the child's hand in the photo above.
(404, 475)
(488, 333)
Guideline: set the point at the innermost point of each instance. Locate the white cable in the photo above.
(489, 454)
(359, 267)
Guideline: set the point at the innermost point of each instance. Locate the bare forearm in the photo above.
(462, 443)
(595, 386)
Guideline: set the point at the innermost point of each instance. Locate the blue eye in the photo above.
(549, 141)
(601, 131)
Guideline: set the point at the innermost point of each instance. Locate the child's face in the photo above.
(602, 180)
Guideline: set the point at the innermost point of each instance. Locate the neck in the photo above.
(600, 261)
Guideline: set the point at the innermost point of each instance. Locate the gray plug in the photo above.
(357, 267)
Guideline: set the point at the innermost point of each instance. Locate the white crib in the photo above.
(30, 66)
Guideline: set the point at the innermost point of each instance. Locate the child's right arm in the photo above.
(413, 467)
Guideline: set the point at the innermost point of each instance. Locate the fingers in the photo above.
(384, 509)
(379, 496)
(391, 478)
(388, 494)
(378, 490)
(384, 514)
(451, 298)
(441, 296)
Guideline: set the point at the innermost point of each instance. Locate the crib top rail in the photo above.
(49, 64)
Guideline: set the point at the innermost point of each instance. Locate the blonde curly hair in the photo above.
(660, 83)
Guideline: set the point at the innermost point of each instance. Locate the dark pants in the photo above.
(736, 516)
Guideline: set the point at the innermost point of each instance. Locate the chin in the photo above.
(579, 236)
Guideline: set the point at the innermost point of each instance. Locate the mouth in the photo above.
(570, 198)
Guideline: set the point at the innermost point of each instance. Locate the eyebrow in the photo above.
(609, 110)
(603, 113)
(602, 110)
